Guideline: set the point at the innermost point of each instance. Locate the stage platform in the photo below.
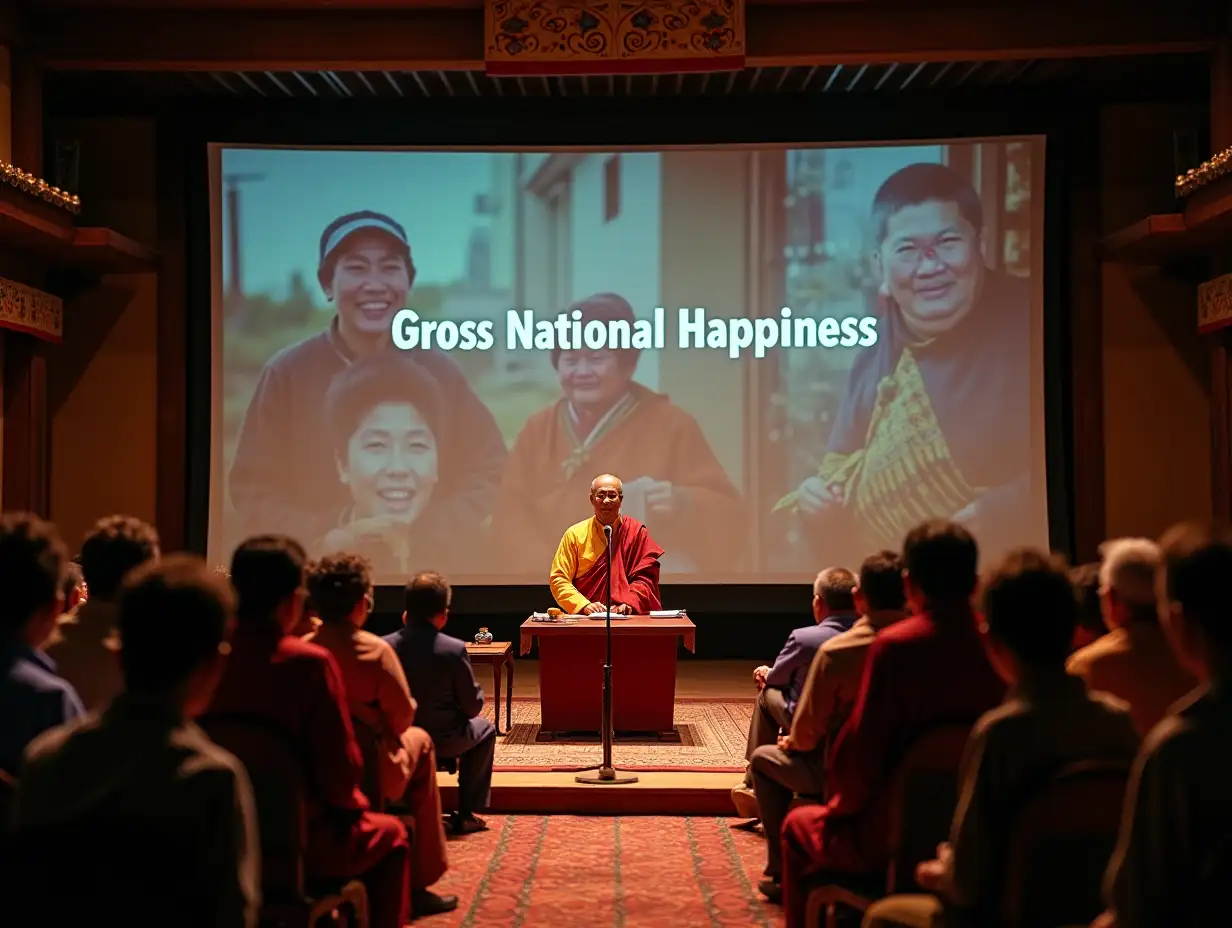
(714, 701)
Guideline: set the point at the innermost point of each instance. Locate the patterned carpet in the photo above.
(587, 872)
(713, 735)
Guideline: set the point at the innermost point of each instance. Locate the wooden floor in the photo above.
(655, 793)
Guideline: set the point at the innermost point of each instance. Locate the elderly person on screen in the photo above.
(385, 422)
(935, 420)
(277, 481)
(606, 422)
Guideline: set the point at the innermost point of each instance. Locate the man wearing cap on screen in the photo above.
(606, 421)
(936, 417)
(283, 478)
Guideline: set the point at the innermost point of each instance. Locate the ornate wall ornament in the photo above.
(532, 38)
(31, 312)
(1212, 169)
(27, 183)
(1215, 304)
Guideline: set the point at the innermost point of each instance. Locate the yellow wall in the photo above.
(102, 382)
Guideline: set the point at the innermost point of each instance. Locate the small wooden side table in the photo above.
(500, 655)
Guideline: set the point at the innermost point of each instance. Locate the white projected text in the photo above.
(567, 332)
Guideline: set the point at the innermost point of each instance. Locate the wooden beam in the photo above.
(901, 31)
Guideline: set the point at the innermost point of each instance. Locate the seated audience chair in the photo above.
(277, 779)
(1059, 849)
(1061, 846)
(923, 795)
(369, 741)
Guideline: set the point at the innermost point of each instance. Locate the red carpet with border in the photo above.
(614, 872)
(713, 738)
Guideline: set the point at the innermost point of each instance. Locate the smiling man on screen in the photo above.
(579, 576)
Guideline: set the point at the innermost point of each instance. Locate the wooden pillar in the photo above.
(27, 430)
(26, 444)
(1221, 339)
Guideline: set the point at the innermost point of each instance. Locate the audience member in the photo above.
(87, 648)
(1133, 661)
(32, 697)
(340, 587)
(450, 699)
(929, 669)
(834, 612)
(142, 768)
(1085, 580)
(73, 586)
(296, 688)
(795, 765)
(1174, 856)
(1047, 721)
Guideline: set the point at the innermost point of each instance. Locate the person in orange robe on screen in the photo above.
(605, 421)
(579, 577)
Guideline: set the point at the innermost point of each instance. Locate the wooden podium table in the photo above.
(571, 660)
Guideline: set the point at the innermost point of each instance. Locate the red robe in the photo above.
(924, 671)
(549, 472)
(296, 688)
(635, 570)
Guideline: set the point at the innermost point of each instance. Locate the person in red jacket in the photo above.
(296, 688)
(929, 669)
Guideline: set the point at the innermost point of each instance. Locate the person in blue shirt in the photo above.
(834, 612)
(33, 698)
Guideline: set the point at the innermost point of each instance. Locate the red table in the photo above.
(571, 660)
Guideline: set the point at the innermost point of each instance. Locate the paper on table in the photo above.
(667, 613)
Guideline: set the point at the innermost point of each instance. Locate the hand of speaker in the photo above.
(815, 495)
(592, 608)
(622, 609)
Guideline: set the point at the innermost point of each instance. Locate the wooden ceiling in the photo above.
(142, 50)
(1175, 75)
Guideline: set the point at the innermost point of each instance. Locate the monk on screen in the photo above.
(579, 577)
(604, 421)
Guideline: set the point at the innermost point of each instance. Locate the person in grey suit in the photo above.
(834, 612)
(443, 683)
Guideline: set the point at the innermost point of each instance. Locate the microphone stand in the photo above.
(607, 772)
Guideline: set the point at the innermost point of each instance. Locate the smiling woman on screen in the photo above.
(278, 482)
(383, 416)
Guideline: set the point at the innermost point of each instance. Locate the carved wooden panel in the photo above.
(566, 37)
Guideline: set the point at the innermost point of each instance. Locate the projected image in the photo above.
(787, 356)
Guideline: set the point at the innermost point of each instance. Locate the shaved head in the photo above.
(607, 480)
(606, 492)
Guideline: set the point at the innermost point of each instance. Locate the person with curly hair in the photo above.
(380, 702)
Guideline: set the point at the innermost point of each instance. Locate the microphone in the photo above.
(607, 530)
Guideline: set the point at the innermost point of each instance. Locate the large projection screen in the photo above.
(788, 355)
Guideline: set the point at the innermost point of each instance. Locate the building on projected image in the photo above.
(664, 229)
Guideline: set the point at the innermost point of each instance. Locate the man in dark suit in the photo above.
(834, 612)
(443, 683)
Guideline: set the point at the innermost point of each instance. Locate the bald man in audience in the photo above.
(85, 647)
(779, 686)
(1133, 661)
(794, 766)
